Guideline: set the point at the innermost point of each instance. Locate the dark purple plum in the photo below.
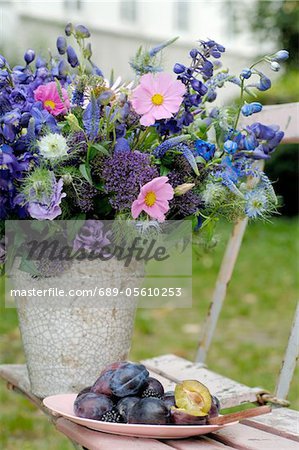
(84, 391)
(149, 411)
(169, 399)
(152, 388)
(128, 380)
(125, 404)
(215, 407)
(102, 384)
(113, 366)
(92, 406)
(182, 417)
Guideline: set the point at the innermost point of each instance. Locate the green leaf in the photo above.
(85, 171)
(95, 149)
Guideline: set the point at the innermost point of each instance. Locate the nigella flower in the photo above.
(256, 203)
(51, 99)
(44, 195)
(92, 237)
(157, 97)
(154, 199)
(205, 149)
(122, 145)
(53, 146)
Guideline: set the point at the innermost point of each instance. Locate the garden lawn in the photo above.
(249, 342)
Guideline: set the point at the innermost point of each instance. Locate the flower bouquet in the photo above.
(75, 145)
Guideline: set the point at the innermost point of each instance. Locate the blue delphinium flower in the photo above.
(205, 149)
(250, 108)
(230, 147)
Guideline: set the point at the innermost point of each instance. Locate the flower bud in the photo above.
(67, 178)
(183, 188)
(61, 45)
(275, 66)
(246, 73)
(179, 68)
(69, 29)
(72, 56)
(193, 53)
(29, 56)
(281, 55)
(82, 32)
(40, 62)
(62, 68)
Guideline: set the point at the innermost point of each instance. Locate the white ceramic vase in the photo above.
(69, 340)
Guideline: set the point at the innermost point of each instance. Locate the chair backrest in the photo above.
(287, 117)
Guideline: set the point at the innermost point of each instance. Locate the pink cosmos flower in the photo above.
(49, 96)
(157, 97)
(153, 199)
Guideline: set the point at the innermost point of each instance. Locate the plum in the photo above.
(113, 366)
(194, 397)
(125, 404)
(128, 380)
(121, 379)
(102, 384)
(215, 408)
(149, 411)
(92, 406)
(152, 388)
(180, 416)
(169, 399)
(84, 391)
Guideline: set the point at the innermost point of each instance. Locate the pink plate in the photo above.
(62, 405)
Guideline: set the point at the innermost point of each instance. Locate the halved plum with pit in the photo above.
(193, 397)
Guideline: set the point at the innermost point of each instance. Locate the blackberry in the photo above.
(112, 416)
(148, 392)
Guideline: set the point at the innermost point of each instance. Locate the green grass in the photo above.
(248, 345)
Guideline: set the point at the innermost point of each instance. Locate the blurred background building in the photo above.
(119, 26)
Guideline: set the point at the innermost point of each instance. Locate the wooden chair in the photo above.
(277, 430)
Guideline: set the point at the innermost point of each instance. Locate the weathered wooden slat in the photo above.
(243, 437)
(290, 359)
(229, 392)
(219, 294)
(16, 375)
(197, 444)
(94, 440)
(285, 115)
(281, 421)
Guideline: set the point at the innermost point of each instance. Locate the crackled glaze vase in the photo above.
(69, 339)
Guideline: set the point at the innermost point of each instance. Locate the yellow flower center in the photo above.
(150, 198)
(157, 99)
(50, 103)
